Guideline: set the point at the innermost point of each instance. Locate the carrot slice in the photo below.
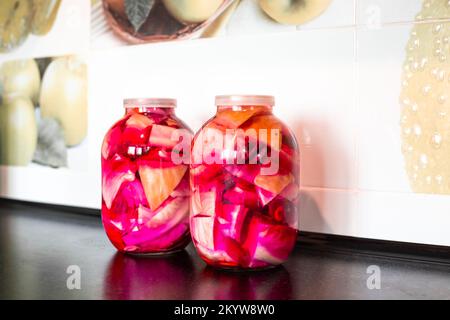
(139, 121)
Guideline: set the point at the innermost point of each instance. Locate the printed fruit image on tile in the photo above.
(21, 18)
(43, 111)
(425, 116)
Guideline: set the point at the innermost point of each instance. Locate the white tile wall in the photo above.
(377, 12)
(380, 56)
(337, 85)
(292, 66)
(374, 13)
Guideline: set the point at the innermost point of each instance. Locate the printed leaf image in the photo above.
(51, 148)
(425, 101)
(137, 11)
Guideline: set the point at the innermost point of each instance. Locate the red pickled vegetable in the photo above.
(145, 194)
(241, 216)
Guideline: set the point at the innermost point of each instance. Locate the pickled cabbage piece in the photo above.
(289, 161)
(283, 211)
(274, 183)
(205, 174)
(229, 118)
(159, 183)
(155, 157)
(268, 123)
(112, 141)
(220, 258)
(163, 136)
(137, 130)
(173, 211)
(230, 220)
(264, 196)
(113, 230)
(139, 121)
(182, 190)
(270, 242)
(124, 209)
(233, 249)
(204, 202)
(229, 234)
(163, 226)
(115, 172)
(247, 172)
(291, 192)
(142, 240)
(202, 229)
(208, 146)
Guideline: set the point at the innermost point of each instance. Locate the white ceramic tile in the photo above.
(312, 80)
(374, 13)
(404, 217)
(69, 34)
(418, 218)
(328, 211)
(380, 59)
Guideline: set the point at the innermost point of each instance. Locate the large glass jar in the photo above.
(145, 179)
(245, 186)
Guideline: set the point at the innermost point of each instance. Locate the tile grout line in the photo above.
(356, 108)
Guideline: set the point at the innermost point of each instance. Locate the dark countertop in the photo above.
(38, 244)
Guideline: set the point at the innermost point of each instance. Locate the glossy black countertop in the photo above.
(38, 244)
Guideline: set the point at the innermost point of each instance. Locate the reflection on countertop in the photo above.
(156, 277)
(38, 244)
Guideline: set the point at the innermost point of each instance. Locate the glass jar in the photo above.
(245, 186)
(145, 179)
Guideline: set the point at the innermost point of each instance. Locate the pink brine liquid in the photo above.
(245, 186)
(145, 194)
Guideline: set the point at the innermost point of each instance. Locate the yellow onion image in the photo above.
(64, 97)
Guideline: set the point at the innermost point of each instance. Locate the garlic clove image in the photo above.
(64, 97)
(21, 78)
(294, 12)
(18, 131)
(425, 103)
(192, 11)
